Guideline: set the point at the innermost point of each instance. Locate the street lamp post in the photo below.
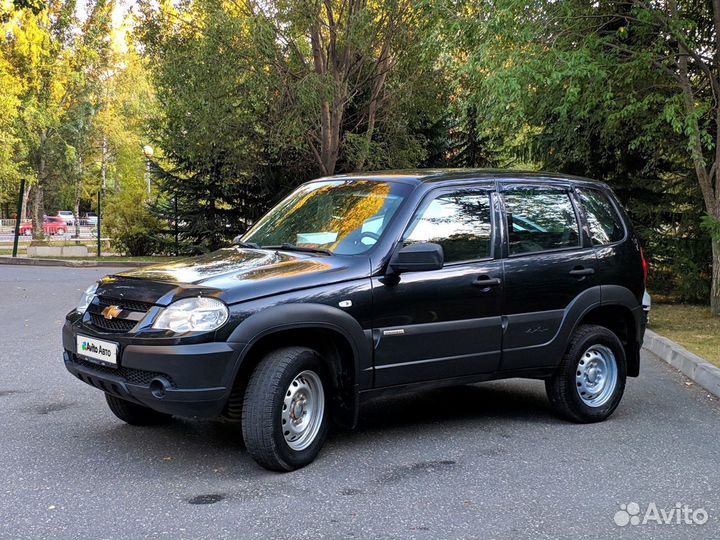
(148, 151)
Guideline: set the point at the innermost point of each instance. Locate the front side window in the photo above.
(603, 220)
(460, 222)
(346, 217)
(540, 220)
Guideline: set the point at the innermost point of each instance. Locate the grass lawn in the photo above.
(691, 326)
(118, 259)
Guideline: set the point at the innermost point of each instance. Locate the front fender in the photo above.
(309, 315)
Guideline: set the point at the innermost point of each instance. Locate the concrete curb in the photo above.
(691, 365)
(25, 261)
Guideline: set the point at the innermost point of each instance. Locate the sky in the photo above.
(120, 20)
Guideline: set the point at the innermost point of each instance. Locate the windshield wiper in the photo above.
(242, 244)
(292, 247)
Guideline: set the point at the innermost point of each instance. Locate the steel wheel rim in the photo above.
(596, 375)
(303, 409)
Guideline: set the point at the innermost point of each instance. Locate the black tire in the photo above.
(263, 408)
(135, 414)
(562, 388)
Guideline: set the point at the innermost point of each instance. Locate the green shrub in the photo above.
(130, 226)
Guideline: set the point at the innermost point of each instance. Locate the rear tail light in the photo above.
(644, 265)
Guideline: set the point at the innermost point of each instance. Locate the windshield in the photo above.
(346, 217)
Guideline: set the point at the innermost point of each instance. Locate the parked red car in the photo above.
(51, 225)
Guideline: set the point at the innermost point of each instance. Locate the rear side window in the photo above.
(603, 220)
(460, 222)
(540, 220)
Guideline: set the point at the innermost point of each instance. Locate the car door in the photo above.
(443, 323)
(548, 264)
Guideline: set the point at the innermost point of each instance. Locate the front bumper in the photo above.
(197, 378)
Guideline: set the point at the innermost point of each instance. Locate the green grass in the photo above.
(117, 258)
(105, 258)
(691, 326)
(6, 248)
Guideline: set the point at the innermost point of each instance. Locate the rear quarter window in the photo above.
(604, 223)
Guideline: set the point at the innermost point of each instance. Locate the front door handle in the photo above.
(486, 281)
(580, 271)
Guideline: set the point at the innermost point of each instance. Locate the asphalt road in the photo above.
(483, 461)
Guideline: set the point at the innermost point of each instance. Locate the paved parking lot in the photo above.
(480, 461)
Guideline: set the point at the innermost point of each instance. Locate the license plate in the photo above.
(97, 350)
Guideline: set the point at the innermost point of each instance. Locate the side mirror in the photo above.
(417, 258)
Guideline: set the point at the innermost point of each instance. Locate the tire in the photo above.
(588, 367)
(134, 414)
(285, 377)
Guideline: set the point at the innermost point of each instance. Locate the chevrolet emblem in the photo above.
(111, 312)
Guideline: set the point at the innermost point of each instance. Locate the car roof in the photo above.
(432, 176)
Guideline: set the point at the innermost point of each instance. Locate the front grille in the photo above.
(111, 325)
(131, 375)
(130, 305)
(115, 325)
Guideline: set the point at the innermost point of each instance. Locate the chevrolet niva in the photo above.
(366, 284)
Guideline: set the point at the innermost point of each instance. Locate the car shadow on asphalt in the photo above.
(484, 407)
(480, 402)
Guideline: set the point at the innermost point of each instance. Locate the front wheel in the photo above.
(590, 381)
(284, 417)
(135, 414)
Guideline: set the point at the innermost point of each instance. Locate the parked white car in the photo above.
(67, 216)
(89, 218)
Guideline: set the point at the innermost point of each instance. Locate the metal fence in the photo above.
(7, 225)
(7, 232)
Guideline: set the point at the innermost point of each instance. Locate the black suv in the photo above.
(364, 284)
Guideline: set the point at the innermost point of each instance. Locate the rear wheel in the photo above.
(590, 381)
(284, 417)
(135, 414)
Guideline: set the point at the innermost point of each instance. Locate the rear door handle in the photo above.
(579, 272)
(486, 281)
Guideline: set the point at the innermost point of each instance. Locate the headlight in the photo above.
(192, 315)
(86, 298)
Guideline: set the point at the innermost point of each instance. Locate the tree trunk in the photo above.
(38, 212)
(24, 211)
(382, 69)
(715, 287)
(78, 194)
(707, 178)
(38, 195)
(38, 201)
(103, 167)
(333, 149)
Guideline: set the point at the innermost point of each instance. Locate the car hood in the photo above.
(238, 274)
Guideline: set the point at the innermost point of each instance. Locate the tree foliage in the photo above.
(611, 90)
(71, 123)
(314, 88)
(242, 100)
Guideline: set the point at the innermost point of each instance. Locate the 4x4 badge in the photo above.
(111, 311)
